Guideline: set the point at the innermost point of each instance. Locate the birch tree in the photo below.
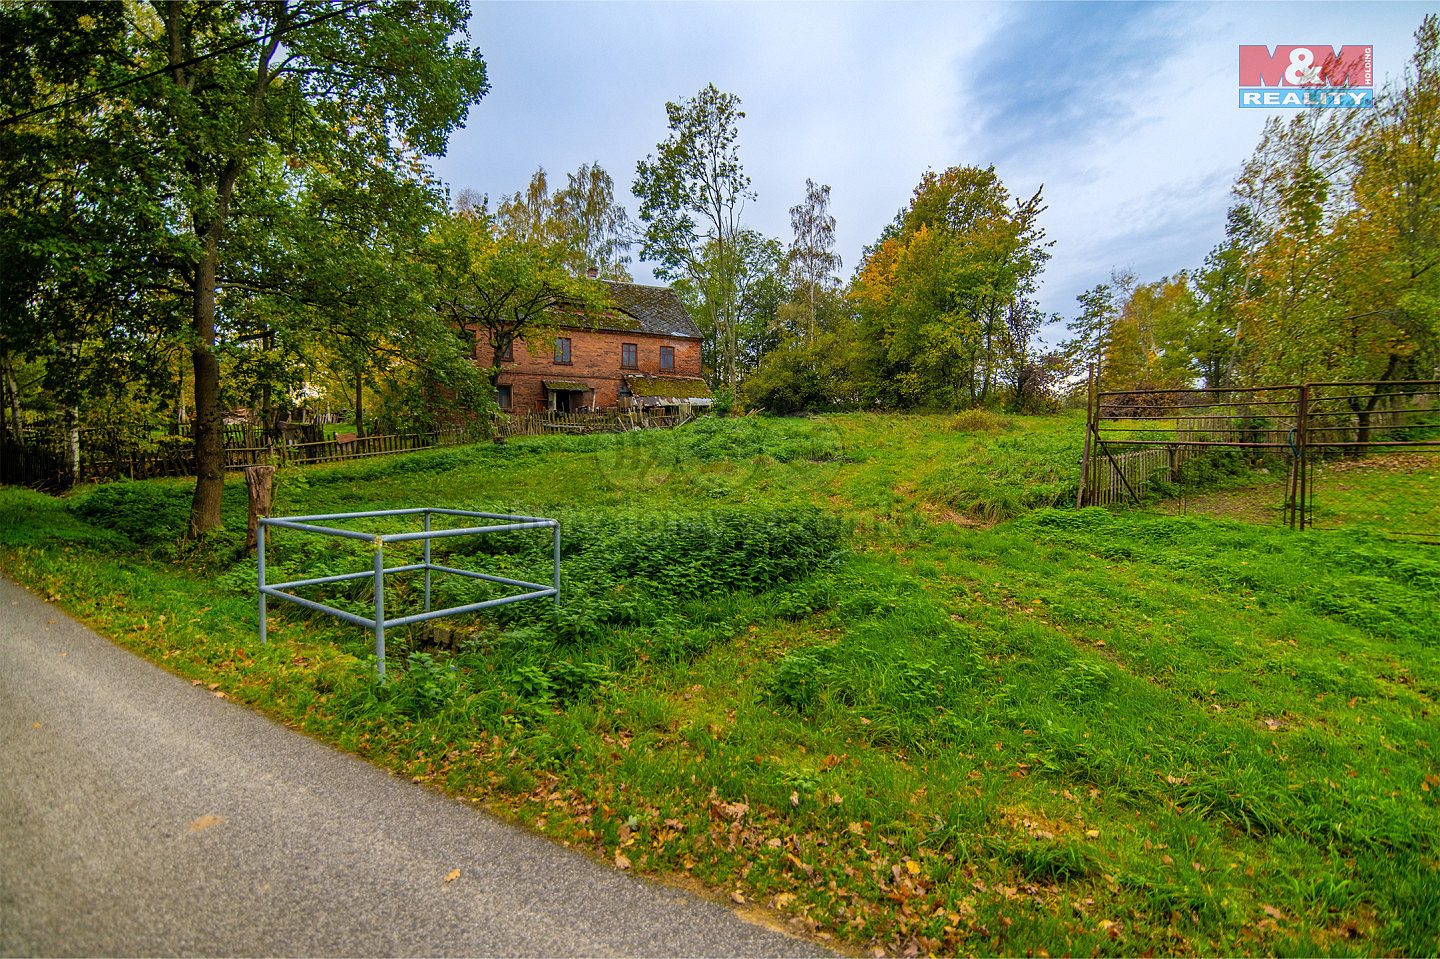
(692, 192)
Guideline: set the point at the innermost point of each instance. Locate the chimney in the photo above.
(592, 272)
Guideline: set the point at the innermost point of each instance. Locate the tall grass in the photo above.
(779, 670)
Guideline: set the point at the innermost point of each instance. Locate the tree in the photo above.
(531, 216)
(692, 192)
(1090, 329)
(76, 225)
(1214, 339)
(238, 108)
(502, 289)
(1341, 279)
(598, 228)
(1145, 345)
(813, 260)
(936, 289)
(583, 218)
(757, 278)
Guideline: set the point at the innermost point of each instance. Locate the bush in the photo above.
(144, 513)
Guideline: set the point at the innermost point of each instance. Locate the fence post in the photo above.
(1302, 460)
(379, 607)
(1089, 426)
(258, 480)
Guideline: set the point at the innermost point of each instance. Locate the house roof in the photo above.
(687, 387)
(656, 310)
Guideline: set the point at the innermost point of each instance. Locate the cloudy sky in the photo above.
(1126, 113)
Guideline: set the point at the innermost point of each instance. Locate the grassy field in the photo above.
(872, 677)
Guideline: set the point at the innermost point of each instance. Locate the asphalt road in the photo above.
(140, 815)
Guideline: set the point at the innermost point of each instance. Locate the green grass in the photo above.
(798, 664)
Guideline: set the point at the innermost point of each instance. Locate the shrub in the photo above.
(144, 513)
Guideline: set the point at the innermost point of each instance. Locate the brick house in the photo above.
(645, 352)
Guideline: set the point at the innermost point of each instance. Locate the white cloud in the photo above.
(1125, 112)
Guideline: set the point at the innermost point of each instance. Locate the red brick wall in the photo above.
(595, 361)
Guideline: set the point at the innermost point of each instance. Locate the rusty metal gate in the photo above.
(1134, 436)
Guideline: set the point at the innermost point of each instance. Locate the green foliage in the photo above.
(33, 519)
(1173, 721)
(291, 175)
(691, 192)
(150, 513)
(944, 296)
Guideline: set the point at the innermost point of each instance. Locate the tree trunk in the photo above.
(258, 484)
(359, 410)
(1362, 414)
(209, 437)
(12, 396)
(72, 444)
(179, 420)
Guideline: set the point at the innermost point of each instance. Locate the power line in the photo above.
(228, 48)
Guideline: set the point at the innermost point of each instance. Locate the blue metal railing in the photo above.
(379, 623)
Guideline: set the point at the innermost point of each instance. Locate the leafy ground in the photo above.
(874, 676)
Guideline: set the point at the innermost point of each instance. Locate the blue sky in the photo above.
(1125, 112)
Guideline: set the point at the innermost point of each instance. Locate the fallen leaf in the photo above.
(1167, 860)
(1093, 833)
(205, 822)
(454, 874)
(1272, 912)
(784, 899)
(913, 867)
(736, 898)
(622, 861)
(794, 799)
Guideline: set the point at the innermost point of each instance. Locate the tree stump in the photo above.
(259, 484)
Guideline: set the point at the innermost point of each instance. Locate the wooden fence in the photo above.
(1106, 484)
(44, 465)
(545, 423)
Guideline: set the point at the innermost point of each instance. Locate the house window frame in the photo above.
(508, 354)
(562, 351)
(504, 396)
(667, 359)
(629, 356)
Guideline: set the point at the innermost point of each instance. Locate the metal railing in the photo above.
(379, 623)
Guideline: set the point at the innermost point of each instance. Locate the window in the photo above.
(667, 357)
(628, 356)
(508, 355)
(562, 349)
(502, 397)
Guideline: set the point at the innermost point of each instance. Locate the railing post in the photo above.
(379, 607)
(260, 576)
(557, 565)
(427, 562)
